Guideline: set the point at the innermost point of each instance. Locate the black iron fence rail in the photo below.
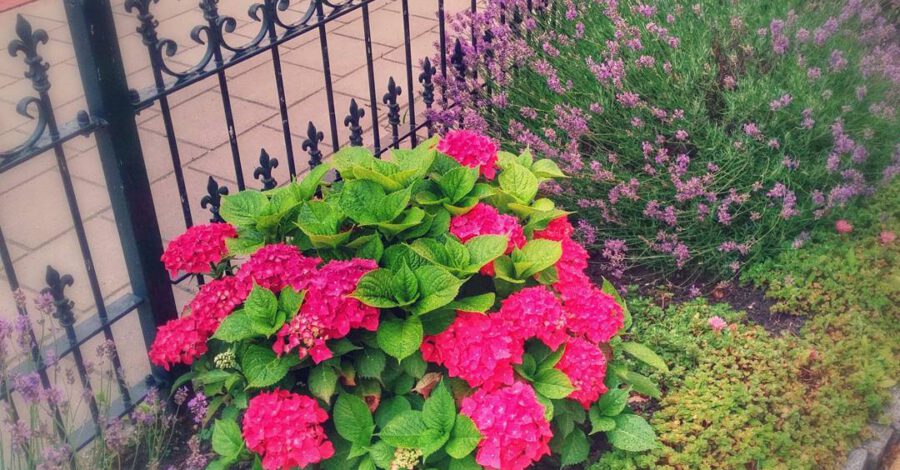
(110, 119)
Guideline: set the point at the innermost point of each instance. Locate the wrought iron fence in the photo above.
(110, 119)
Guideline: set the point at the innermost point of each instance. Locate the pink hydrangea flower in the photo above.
(327, 311)
(179, 341)
(511, 421)
(196, 249)
(585, 365)
(534, 312)
(558, 229)
(484, 219)
(842, 226)
(476, 348)
(183, 340)
(717, 324)
(472, 150)
(276, 266)
(573, 262)
(887, 237)
(286, 430)
(590, 312)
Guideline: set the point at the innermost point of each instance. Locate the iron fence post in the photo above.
(110, 101)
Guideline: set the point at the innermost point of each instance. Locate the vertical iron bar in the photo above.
(99, 59)
(367, 34)
(410, 95)
(279, 86)
(211, 15)
(326, 65)
(443, 45)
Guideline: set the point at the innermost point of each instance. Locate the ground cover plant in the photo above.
(739, 396)
(698, 135)
(424, 310)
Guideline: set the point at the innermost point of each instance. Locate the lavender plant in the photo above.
(41, 422)
(697, 135)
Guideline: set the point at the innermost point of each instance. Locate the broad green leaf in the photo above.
(367, 203)
(575, 448)
(367, 462)
(261, 307)
(390, 409)
(235, 327)
(319, 218)
(290, 300)
(437, 288)
(600, 423)
(551, 360)
(466, 463)
(342, 346)
(384, 181)
(400, 254)
(477, 303)
(414, 365)
(372, 248)
(263, 368)
(552, 383)
(307, 187)
(485, 248)
(375, 289)
(641, 384)
(457, 183)
(505, 271)
(400, 338)
(347, 157)
(409, 219)
(370, 363)
(405, 286)
(323, 381)
(548, 407)
(353, 420)
(613, 402)
(439, 411)
(437, 321)
(405, 430)
(242, 209)
(632, 434)
(645, 355)
(519, 182)
(247, 243)
(382, 454)
(535, 256)
(432, 440)
(546, 168)
(226, 439)
(463, 438)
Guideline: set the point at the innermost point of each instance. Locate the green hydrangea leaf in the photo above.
(612, 403)
(226, 439)
(400, 338)
(375, 289)
(261, 307)
(632, 434)
(414, 365)
(463, 438)
(437, 321)
(323, 381)
(485, 248)
(390, 409)
(242, 209)
(439, 411)
(263, 368)
(640, 383)
(645, 355)
(546, 168)
(518, 182)
(382, 454)
(290, 300)
(370, 363)
(348, 157)
(609, 289)
(405, 430)
(367, 203)
(575, 448)
(409, 219)
(553, 384)
(535, 256)
(457, 183)
(236, 327)
(476, 303)
(319, 218)
(307, 187)
(437, 288)
(405, 286)
(353, 420)
(466, 463)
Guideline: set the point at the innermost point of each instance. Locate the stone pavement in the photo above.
(33, 212)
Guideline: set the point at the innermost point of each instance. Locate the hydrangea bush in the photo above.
(696, 134)
(430, 310)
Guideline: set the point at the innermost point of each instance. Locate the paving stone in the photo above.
(893, 412)
(386, 27)
(346, 54)
(876, 446)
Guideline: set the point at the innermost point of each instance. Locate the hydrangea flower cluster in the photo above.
(516, 433)
(472, 150)
(196, 249)
(364, 294)
(286, 430)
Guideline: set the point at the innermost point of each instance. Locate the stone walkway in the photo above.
(33, 212)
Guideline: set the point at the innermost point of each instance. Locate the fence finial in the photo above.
(213, 199)
(352, 122)
(264, 171)
(56, 286)
(311, 145)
